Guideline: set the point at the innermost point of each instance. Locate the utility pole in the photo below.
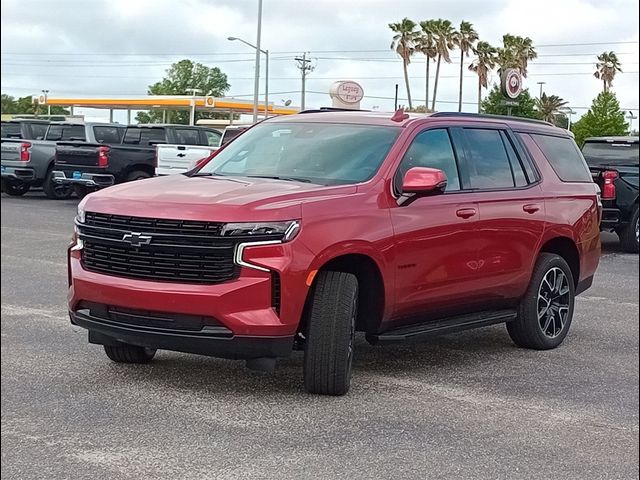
(46, 100)
(256, 84)
(304, 64)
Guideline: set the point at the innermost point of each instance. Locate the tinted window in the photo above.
(321, 153)
(108, 134)
(433, 149)
(10, 130)
(38, 130)
(230, 134)
(66, 132)
(187, 136)
(516, 165)
(564, 157)
(611, 153)
(213, 138)
(489, 165)
(144, 136)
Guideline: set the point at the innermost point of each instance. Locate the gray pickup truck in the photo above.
(29, 162)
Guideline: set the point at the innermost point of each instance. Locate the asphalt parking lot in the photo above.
(469, 405)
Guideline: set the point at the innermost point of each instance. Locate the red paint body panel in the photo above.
(443, 254)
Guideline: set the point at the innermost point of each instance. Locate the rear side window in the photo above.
(489, 166)
(144, 136)
(187, 136)
(106, 134)
(564, 157)
(65, 133)
(11, 130)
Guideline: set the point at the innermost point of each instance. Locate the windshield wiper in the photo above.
(276, 177)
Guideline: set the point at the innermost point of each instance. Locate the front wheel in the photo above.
(56, 191)
(16, 189)
(629, 235)
(546, 311)
(126, 353)
(328, 355)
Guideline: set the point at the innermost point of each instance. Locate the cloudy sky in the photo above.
(118, 47)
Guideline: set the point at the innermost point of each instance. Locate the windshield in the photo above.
(612, 152)
(322, 153)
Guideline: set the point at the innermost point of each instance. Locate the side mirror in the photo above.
(423, 181)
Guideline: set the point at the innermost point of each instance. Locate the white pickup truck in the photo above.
(173, 159)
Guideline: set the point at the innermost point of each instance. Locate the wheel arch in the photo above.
(566, 248)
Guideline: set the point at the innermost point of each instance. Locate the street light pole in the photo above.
(541, 84)
(631, 118)
(256, 84)
(46, 100)
(266, 80)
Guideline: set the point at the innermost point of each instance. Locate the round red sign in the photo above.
(512, 83)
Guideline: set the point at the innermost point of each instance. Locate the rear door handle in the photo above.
(466, 212)
(531, 208)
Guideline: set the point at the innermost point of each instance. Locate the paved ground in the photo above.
(469, 405)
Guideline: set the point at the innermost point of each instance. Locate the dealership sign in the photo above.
(511, 83)
(346, 94)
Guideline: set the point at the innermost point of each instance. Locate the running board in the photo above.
(441, 327)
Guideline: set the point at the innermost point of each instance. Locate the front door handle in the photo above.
(466, 212)
(531, 208)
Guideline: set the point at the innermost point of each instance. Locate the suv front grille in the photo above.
(181, 251)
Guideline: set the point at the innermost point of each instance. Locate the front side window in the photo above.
(187, 136)
(322, 153)
(431, 148)
(488, 162)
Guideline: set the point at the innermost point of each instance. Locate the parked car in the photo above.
(182, 158)
(91, 166)
(614, 161)
(309, 228)
(29, 162)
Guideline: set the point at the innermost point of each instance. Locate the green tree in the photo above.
(516, 52)
(495, 104)
(464, 39)
(606, 68)
(444, 34)
(425, 43)
(180, 79)
(484, 63)
(550, 107)
(603, 118)
(26, 106)
(404, 45)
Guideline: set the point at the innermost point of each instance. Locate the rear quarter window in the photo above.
(564, 156)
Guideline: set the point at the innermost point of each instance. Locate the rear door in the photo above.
(511, 211)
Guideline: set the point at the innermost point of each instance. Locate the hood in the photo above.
(210, 198)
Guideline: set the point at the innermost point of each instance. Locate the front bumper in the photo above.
(95, 180)
(212, 341)
(21, 174)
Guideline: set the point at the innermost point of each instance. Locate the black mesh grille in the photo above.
(275, 291)
(153, 225)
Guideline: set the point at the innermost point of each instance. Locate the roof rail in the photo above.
(332, 109)
(490, 116)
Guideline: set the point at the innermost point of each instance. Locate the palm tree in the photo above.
(404, 45)
(444, 33)
(425, 43)
(516, 53)
(606, 68)
(465, 39)
(550, 107)
(482, 66)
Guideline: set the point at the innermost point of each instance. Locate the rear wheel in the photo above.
(546, 311)
(629, 234)
(127, 353)
(15, 189)
(56, 191)
(328, 355)
(137, 175)
(81, 191)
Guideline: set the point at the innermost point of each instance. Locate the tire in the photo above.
(629, 234)
(126, 353)
(548, 331)
(137, 175)
(81, 191)
(16, 189)
(328, 355)
(56, 191)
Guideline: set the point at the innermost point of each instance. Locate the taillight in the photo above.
(103, 156)
(608, 187)
(25, 151)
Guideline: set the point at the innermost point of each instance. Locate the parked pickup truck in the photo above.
(28, 160)
(90, 166)
(613, 162)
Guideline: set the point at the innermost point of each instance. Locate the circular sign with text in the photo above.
(511, 83)
(347, 91)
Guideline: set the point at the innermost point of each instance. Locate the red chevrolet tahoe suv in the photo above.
(309, 228)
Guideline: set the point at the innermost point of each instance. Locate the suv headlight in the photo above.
(81, 214)
(285, 230)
